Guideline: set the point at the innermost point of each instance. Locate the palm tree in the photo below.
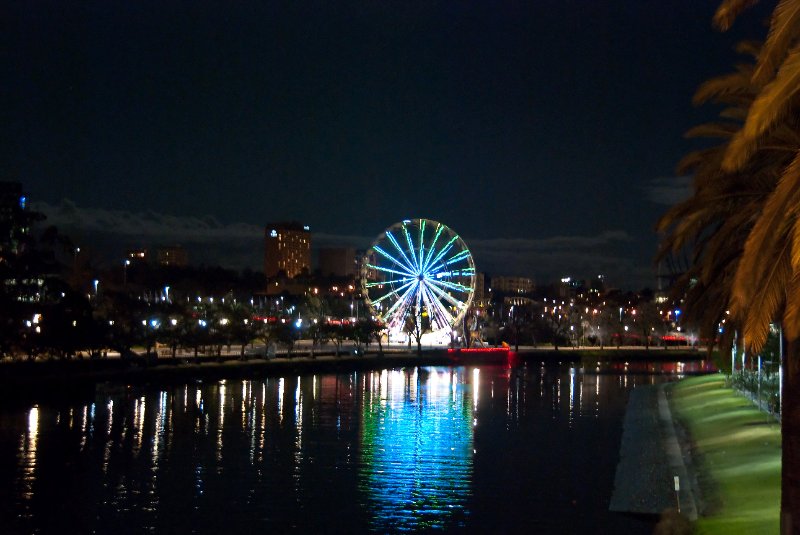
(743, 223)
(777, 73)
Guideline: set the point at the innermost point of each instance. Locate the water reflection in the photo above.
(417, 447)
(390, 450)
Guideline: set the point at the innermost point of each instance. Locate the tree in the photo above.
(557, 320)
(265, 332)
(743, 220)
(365, 331)
(646, 319)
(416, 324)
(520, 323)
(316, 310)
(237, 325)
(286, 334)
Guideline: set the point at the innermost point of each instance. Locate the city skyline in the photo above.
(546, 135)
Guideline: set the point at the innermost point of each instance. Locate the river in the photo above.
(478, 449)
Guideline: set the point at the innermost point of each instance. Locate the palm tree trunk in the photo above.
(790, 424)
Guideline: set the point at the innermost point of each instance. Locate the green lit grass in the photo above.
(738, 455)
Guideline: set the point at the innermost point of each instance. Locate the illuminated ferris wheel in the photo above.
(418, 272)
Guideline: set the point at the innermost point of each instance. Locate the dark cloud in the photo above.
(669, 190)
(240, 245)
(549, 259)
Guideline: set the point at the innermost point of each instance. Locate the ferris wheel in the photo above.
(418, 272)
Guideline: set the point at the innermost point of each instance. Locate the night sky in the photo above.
(545, 132)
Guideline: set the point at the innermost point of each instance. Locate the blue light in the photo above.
(23, 201)
(419, 275)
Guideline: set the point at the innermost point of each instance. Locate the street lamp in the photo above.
(125, 265)
(96, 284)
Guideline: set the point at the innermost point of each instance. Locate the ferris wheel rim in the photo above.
(420, 271)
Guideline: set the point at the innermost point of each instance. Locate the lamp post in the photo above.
(125, 265)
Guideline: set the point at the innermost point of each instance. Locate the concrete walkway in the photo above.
(650, 458)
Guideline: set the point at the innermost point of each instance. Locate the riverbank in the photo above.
(25, 380)
(736, 454)
(650, 458)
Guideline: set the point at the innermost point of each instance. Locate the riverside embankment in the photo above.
(52, 378)
(736, 453)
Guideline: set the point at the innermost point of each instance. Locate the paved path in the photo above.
(650, 458)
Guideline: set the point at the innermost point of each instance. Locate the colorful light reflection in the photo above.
(417, 449)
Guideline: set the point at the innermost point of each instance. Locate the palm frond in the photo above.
(795, 235)
(728, 10)
(766, 303)
(768, 236)
(734, 113)
(710, 158)
(791, 316)
(714, 130)
(784, 29)
(749, 47)
(765, 269)
(735, 83)
(770, 105)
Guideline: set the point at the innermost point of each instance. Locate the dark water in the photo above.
(476, 450)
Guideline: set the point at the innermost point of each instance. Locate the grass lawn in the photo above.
(737, 453)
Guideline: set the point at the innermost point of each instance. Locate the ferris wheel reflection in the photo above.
(417, 444)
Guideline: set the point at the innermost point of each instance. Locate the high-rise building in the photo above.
(13, 223)
(481, 297)
(337, 262)
(137, 255)
(512, 285)
(172, 256)
(287, 249)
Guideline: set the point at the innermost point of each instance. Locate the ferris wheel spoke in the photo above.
(380, 284)
(394, 292)
(463, 255)
(421, 245)
(432, 248)
(447, 297)
(409, 293)
(390, 270)
(463, 272)
(451, 285)
(445, 249)
(411, 248)
(437, 308)
(402, 266)
(409, 265)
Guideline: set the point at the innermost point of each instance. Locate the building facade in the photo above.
(512, 285)
(287, 249)
(172, 256)
(337, 262)
(13, 222)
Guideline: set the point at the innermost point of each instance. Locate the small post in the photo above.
(677, 492)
